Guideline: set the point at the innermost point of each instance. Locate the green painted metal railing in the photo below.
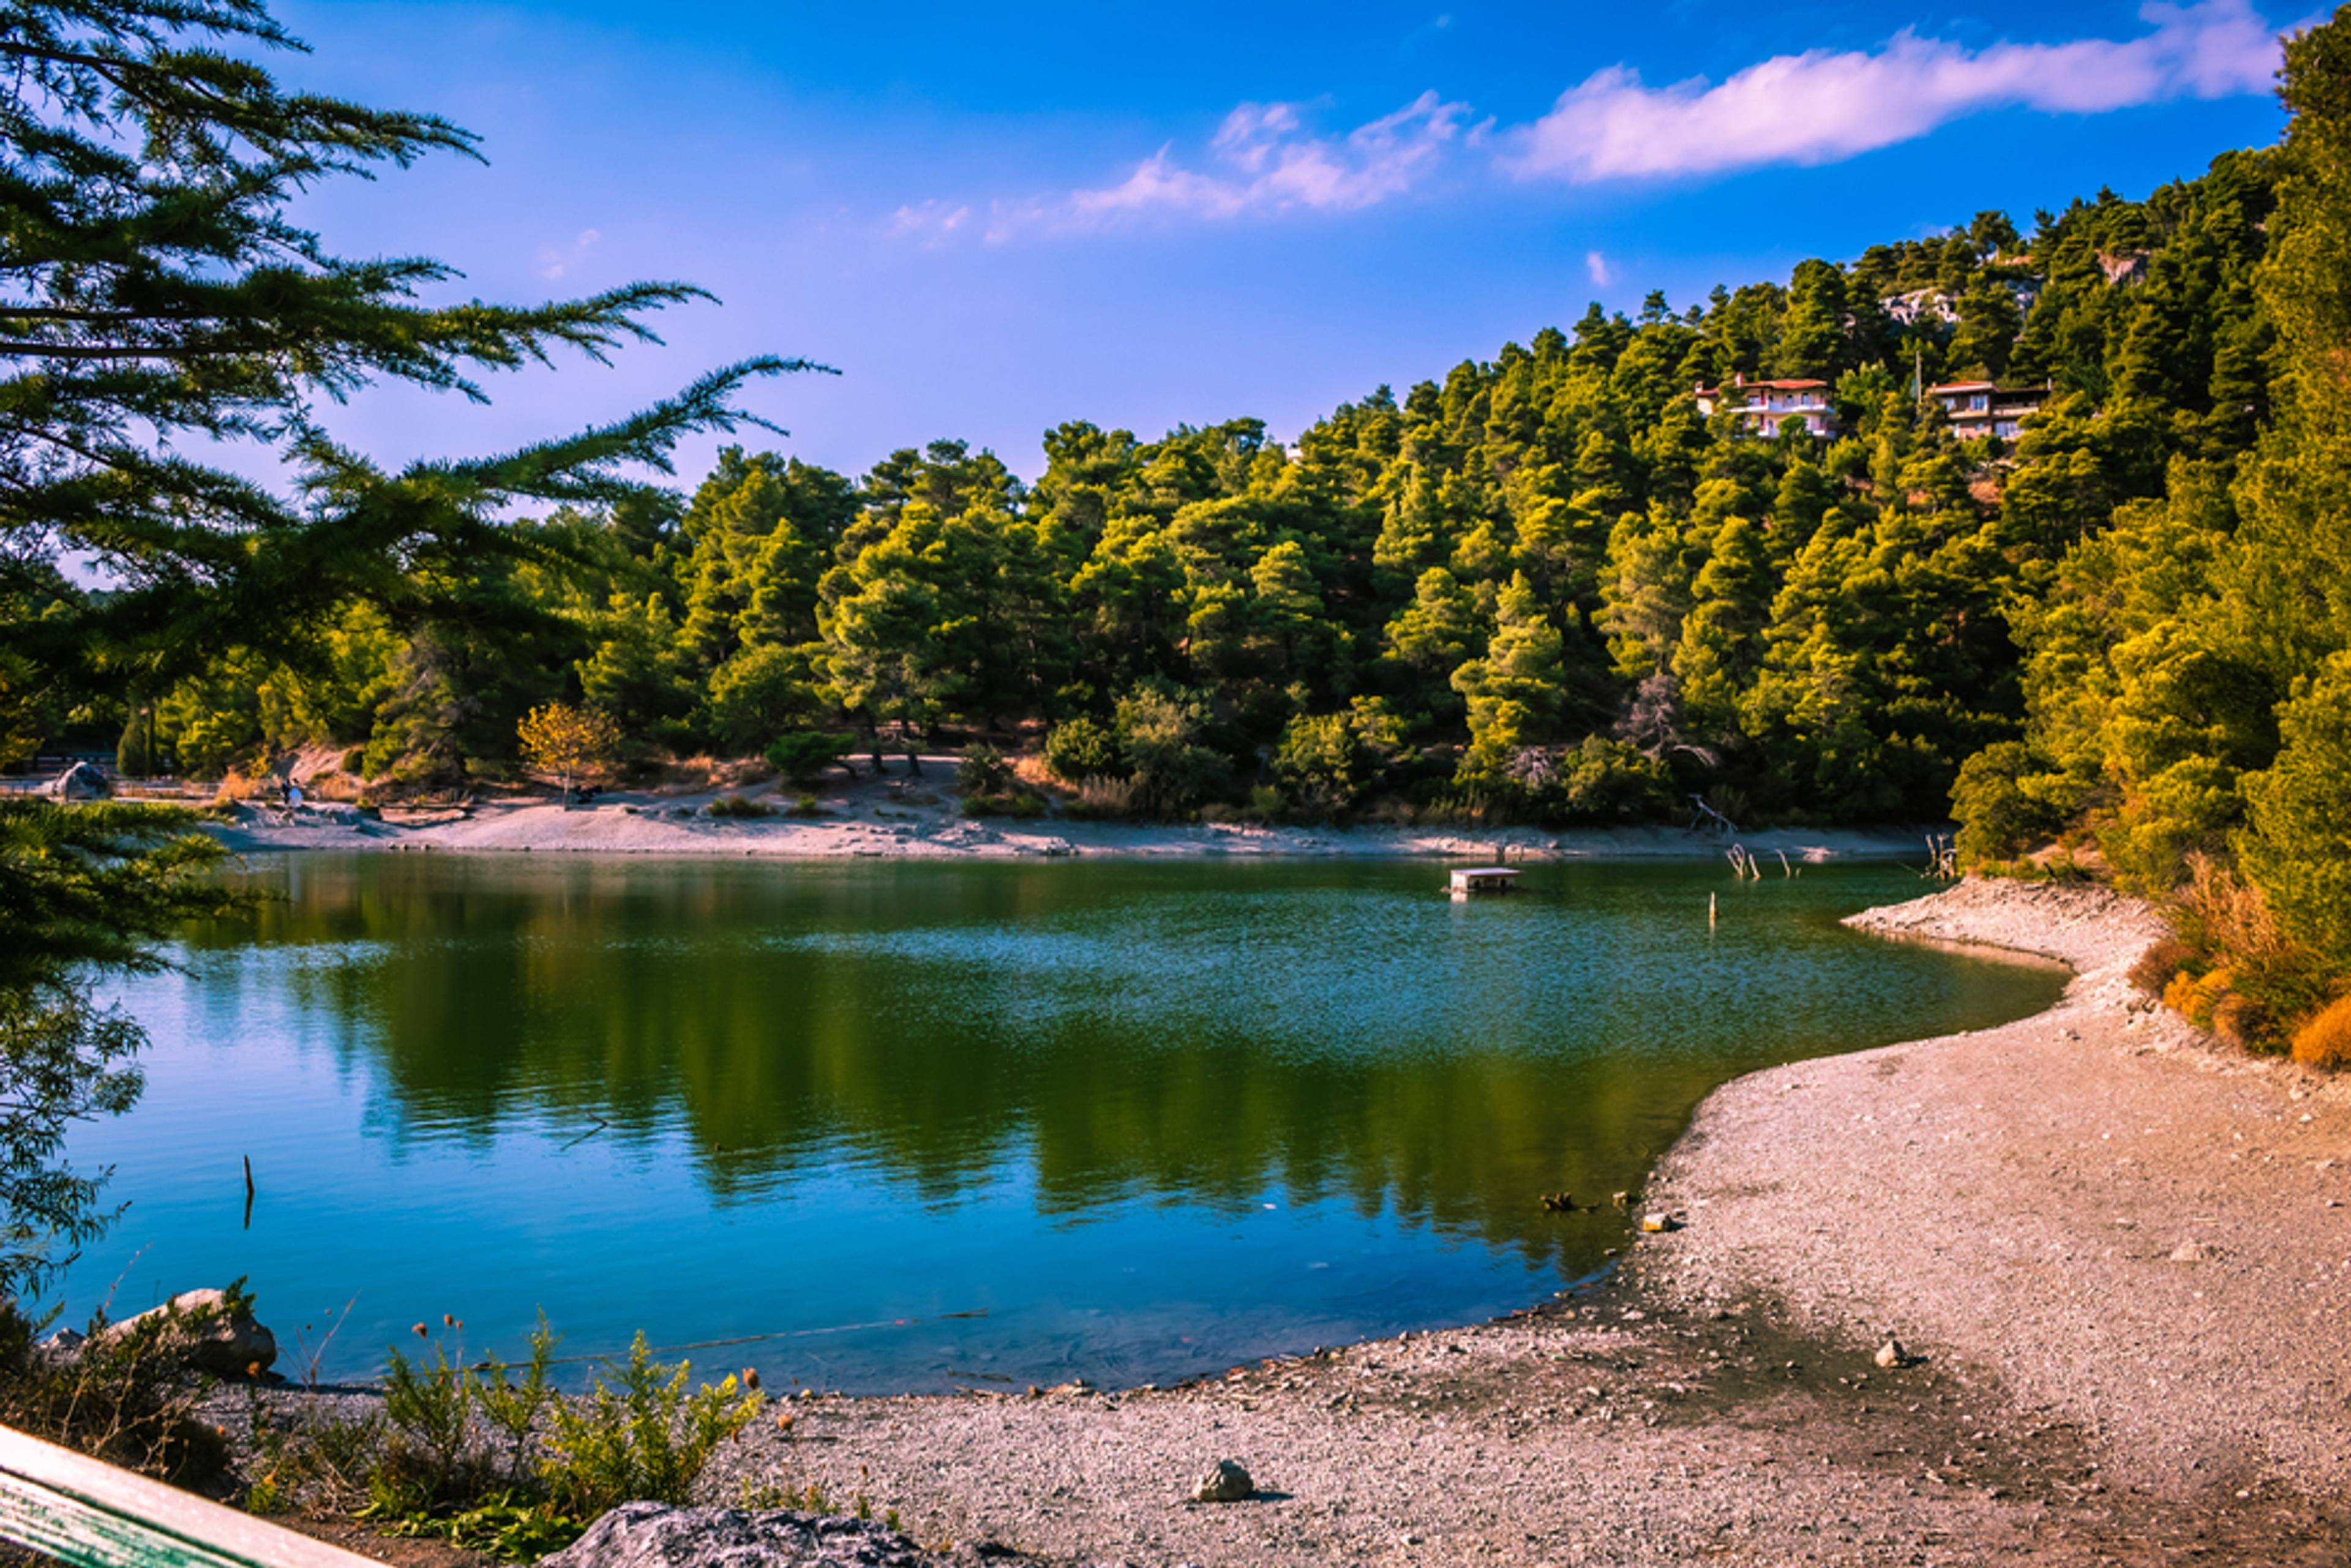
(81, 1512)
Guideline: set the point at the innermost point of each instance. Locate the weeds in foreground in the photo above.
(123, 1397)
(488, 1455)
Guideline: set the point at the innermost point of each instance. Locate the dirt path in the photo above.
(2008, 1202)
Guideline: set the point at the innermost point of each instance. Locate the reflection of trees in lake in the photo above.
(1119, 1031)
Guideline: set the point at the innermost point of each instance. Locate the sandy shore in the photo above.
(2008, 1202)
(896, 816)
(2119, 1257)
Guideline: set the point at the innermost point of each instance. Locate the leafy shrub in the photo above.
(806, 806)
(2301, 814)
(638, 1434)
(804, 754)
(2325, 1039)
(738, 806)
(1077, 749)
(1329, 762)
(1165, 738)
(984, 771)
(1603, 780)
(2002, 804)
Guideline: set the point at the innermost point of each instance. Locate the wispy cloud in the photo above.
(1264, 160)
(1602, 275)
(1819, 106)
(553, 263)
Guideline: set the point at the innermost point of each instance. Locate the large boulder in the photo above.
(655, 1535)
(208, 1329)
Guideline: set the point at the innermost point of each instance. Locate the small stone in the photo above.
(2195, 1252)
(1621, 1200)
(1656, 1223)
(1891, 1354)
(1227, 1483)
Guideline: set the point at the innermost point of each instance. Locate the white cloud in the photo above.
(1819, 106)
(554, 263)
(1264, 160)
(1602, 275)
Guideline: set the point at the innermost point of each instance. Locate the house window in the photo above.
(1979, 402)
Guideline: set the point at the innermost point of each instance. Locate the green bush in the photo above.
(984, 771)
(804, 754)
(1165, 738)
(2001, 813)
(639, 1435)
(491, 1458)
(2297, 847)
(740, 806)
(1077, 749)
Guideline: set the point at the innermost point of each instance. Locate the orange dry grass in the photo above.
(2325, 1039)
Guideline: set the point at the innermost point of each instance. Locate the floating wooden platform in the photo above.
(1483, 879)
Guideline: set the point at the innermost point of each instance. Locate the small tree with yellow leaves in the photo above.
(574, 743)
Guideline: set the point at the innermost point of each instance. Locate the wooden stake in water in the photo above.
(1709, 911)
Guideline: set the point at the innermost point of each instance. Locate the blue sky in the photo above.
(995, 218)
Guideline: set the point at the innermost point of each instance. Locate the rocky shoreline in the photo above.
(2116, 1260)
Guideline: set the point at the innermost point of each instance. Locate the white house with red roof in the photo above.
(1761, 406)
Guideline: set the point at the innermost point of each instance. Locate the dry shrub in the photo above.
(123, 1399)
(2225, 916)
(2206, 995)
(2325, 1039)
(1103, 798)
(2180, 992)
(336, 786)
(1032, 770)
(2241, 1023)
(2158, 965)
(235, 786)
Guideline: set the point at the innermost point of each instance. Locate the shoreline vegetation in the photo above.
(2051, 1335)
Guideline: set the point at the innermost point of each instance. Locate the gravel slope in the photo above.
(2134, 1229)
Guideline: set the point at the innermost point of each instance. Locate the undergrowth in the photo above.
(488, 1456)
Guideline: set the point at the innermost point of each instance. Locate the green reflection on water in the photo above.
(1151, 1117)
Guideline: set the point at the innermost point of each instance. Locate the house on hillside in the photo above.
(1760, 406)
(1987, 408)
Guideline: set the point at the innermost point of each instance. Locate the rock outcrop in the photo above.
(655, 1535)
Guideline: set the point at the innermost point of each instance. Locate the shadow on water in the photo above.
(1148, 1119)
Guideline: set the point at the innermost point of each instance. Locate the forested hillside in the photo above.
(1550, 586)
(1544, 587)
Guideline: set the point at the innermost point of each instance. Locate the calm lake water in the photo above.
(925, 1125)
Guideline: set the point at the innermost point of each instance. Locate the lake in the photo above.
(899, 1125)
